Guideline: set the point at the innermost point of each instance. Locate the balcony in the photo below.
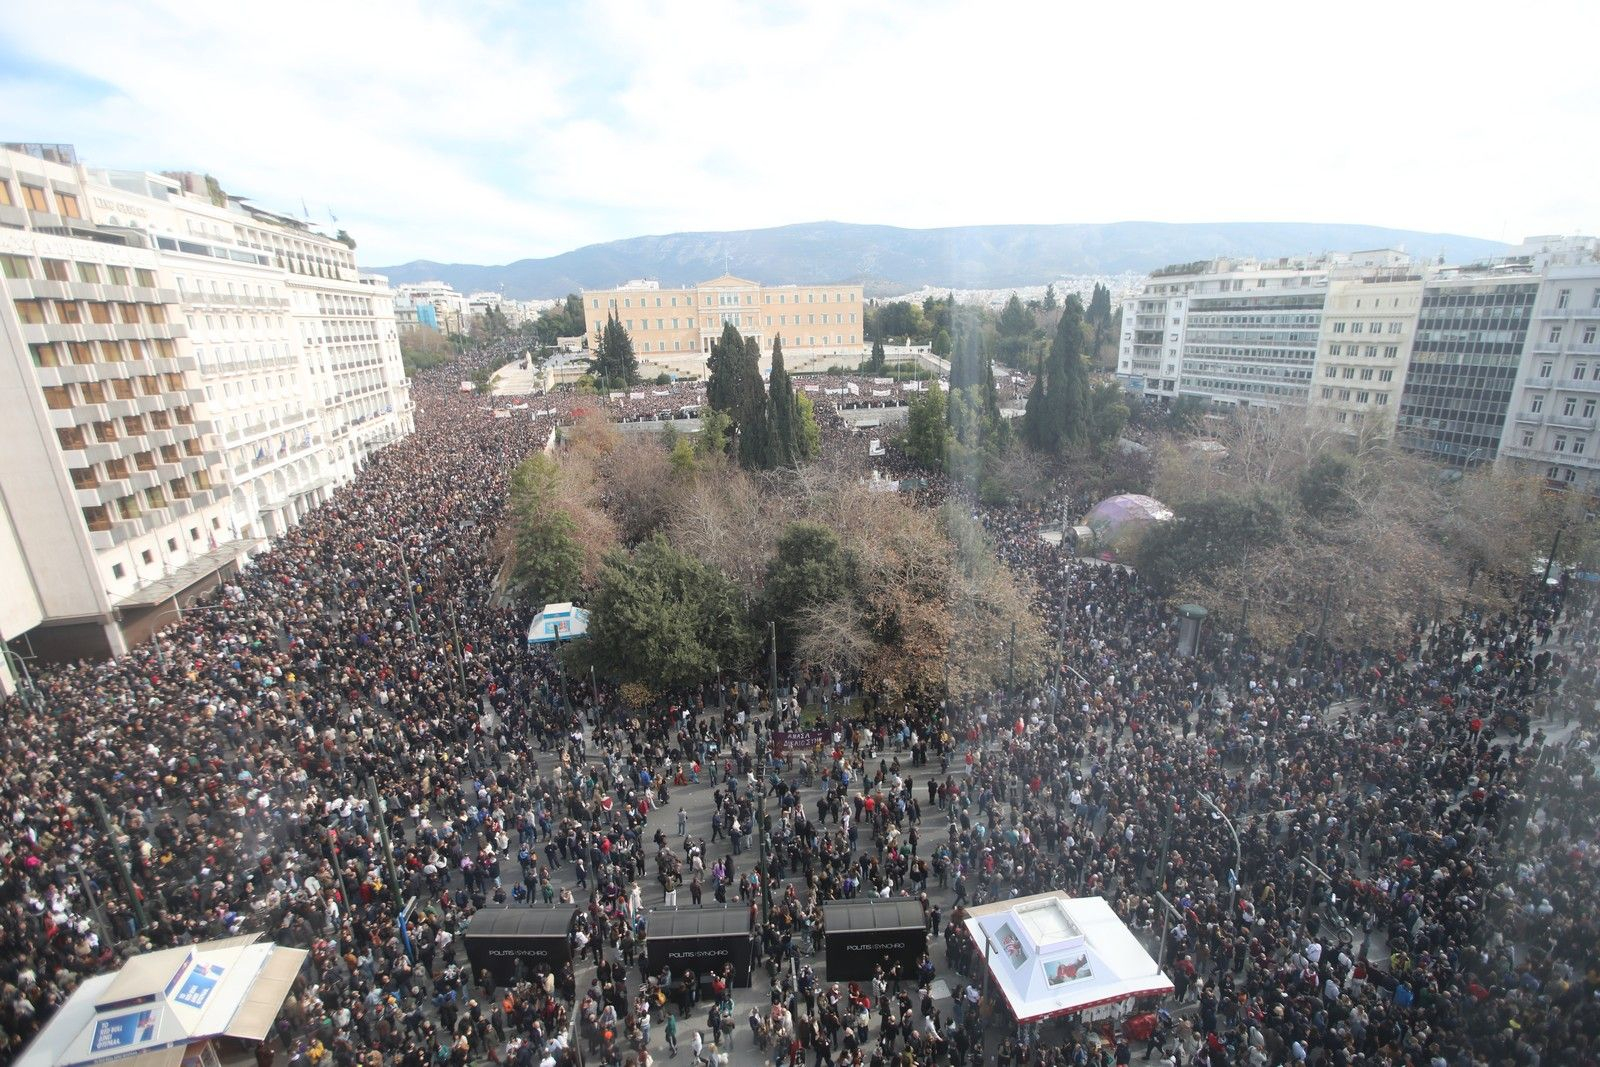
(1531, 418)
(1580, 385)
(1576, 422)
(1539, 382)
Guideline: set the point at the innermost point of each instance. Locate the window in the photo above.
(1383, 398)
(1579, 369)
(34, 197)
(117, 570)
(1554, 336)
(1527, 438)
(1349, 372)
(1560, 443)
(55, 269)
(1588, 408)
(1327, 393)
(1391, 351)
(5, 193)
(1569, 406)
(147, 555)
(1334, 350)
(16, 266)
(1588, 335)
(1395, 327)
(1545, 368)
(1374, 327)
(69, 311)
(1579, 444)
(89, 272)
(67, 204)
(119, 275)
(1563, 297)
(1536, 404)
(1333, 372)
(1338, 327)
(147, 278)
(1355, 327)
(1363, 397)
(1386, 376)
(1366, 374)
(30, 312)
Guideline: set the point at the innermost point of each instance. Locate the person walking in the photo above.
(671, 1031)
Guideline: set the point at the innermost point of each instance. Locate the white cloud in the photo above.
(512, 130)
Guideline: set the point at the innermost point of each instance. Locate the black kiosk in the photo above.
(864, 933)
(517, 942)
(700, 940)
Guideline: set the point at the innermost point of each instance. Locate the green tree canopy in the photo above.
(613, 361)
(662, 619)
(1059, 416)
(927, 437)
(783, 414)
(810, 568)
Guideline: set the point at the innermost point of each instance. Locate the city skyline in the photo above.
(513, 131)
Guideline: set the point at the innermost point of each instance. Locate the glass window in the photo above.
(33, 196)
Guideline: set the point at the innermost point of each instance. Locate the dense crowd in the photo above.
(1414, 881)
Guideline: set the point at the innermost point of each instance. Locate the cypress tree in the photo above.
(783, 416)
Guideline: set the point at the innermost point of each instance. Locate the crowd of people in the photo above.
(1413, 880)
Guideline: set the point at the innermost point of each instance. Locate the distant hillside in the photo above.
(887, 259)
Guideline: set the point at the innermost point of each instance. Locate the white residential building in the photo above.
(1364, 346)
(112, 483)
(1550, 430)
(1236, 332)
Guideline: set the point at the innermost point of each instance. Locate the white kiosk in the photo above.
(1052, 955)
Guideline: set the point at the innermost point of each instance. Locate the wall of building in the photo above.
(679, 325)
(1364, 347)
(1550, 428)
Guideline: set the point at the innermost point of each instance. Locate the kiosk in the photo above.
(861, 934)
(519, 942)
(701, 940)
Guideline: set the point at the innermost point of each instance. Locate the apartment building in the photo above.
(676, 327)
(1550, 430)
(1472, 324)
(113, 486)
(1236, 332)
(1369, 321)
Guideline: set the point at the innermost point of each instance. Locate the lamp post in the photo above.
(405, 571)
(1238, 854)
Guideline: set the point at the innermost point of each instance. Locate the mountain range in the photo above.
(888, 260)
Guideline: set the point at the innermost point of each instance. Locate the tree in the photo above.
(810, 434)
(876, 363)
(941, 343)
(1015, 335)
(545, 563)
(1108, 414)
(614, 362)
(810, 568)
(783, 415)
(1059, 416)
(1050, 301)
(750, 413)
(716, 428)
(662, 619)
(344, 238)
(927, 434)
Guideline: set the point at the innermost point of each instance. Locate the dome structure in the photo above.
(1118, 522)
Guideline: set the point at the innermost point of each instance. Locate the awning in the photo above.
(156, 1057)
(253, 1021)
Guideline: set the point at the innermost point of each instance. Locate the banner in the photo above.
(852, 388)
(786, 741)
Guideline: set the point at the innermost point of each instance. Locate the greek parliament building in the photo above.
(183, 376)
(673, 328)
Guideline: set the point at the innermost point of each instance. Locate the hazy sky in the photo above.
(490, 131)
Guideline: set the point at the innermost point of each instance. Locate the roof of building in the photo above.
(159, 1003)
(1052, 954)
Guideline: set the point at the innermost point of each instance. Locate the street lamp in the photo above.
(1238, 854)
(406, 571)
